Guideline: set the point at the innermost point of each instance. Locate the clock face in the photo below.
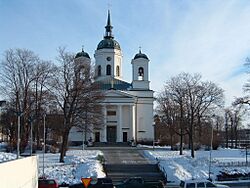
(108, 58)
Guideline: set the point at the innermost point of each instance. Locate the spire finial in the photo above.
(108, 27)
(82, 48)
(139, 49)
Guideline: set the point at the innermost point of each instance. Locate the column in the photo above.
(119, 124)
(131, 117)
(104, 129)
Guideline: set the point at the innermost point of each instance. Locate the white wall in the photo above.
(21, 173)
(145, 121)
(127, 121)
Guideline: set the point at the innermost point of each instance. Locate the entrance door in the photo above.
(97, 136)
(111, 134)
(124, 136)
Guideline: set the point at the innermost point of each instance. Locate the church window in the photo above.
(82, 73)
(99, 70)
(108, 70)
(111, 113)
(140, 73)
(117, 70)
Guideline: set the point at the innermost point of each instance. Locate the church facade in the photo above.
(127, 107)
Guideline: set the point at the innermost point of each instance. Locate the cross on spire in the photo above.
(109, 6)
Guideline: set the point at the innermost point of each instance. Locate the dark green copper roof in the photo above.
(113, 83)
(109, 43)
(141, 55)
(82, 54)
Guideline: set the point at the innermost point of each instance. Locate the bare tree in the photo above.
(236, 115)
(194, 100)
(23, 78)
(76, 95)
(17, 76)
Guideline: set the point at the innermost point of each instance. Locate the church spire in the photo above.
(108, 28)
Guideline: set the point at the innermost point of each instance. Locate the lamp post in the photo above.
(44, 141)
(210, 153)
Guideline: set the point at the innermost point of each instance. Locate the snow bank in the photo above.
(78, 163)
(184, 167)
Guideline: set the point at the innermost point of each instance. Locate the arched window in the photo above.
(108, 70)
(117, 70)
(99, 70)
(82, 73)
(140, 73)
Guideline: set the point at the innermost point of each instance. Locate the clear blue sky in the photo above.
(211, 37)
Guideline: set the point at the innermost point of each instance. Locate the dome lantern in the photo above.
(108, 41)
(141, 55)
(82, 54)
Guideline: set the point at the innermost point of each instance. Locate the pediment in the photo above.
(117, 94)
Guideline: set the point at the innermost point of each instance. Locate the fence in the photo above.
(233, 164)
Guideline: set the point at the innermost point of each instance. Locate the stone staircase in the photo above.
(125, 162)
(120, 172)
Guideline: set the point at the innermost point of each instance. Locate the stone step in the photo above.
(146, 178)
(131, 168)
(150, 175)
(110, 144)
(120, 172)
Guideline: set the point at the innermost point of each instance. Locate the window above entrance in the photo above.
(111, 113)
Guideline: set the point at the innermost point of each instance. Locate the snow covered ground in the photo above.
(6, 156)
(78, 163)
(184, 167)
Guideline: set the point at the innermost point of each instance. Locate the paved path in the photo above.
(125, 162)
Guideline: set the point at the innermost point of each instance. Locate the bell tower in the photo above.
(108, 55)
(140, 72)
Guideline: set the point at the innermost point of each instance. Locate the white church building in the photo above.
(127, 107)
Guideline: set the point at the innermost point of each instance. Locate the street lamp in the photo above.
(211, 147)
(44, 141)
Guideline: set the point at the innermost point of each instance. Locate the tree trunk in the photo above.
(181, 142)
(191, 136)
(171, 141)
(192, 145)
(64, 145)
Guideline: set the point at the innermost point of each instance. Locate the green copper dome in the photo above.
(141, 55)
(82, 54)
(108, 43)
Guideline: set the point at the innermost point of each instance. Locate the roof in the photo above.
(108, 43)
(110, 83)
(82, 54)
(141, 55)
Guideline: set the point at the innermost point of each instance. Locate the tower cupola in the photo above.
(141, 55)
(108, 55)
(140, 71)
(82, 54)
(108, 41)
